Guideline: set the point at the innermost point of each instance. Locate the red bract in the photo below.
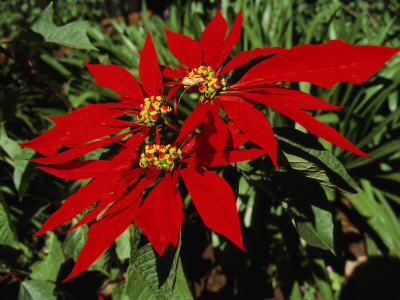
(121, 181)
(95, 121)
(322, 65)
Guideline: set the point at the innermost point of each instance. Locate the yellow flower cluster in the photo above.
(207, 81)
(162, 157)
(153, 109)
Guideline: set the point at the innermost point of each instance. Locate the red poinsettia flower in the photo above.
(120, 181)
(322, 65)
(92, 122)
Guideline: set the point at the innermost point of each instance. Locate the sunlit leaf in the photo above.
(71, 35)
(307, 156)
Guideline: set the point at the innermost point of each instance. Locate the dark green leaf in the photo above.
(305, 155)
(320, 232)
(149, 275)
(312, 215)
(22, 170)
(71, 35)
(8, 235)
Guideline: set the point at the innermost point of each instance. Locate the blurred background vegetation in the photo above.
(283, 261)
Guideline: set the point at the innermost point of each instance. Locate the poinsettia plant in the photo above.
(157, 158)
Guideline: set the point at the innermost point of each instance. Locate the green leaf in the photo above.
(74, 242)
(305, 155)
(71, 35)
(36, 290)
(8, 235)
(23, 170)
(181, 289)
(320, 232)
(9, 146)
(150, 277)
(312, 215)
(49, 266)
(123, 244)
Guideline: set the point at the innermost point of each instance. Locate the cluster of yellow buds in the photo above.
(162, 157)
(152, 110)
(207, 81)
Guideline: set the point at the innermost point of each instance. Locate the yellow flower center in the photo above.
(162, 157)
(206, 80)
(152, 110)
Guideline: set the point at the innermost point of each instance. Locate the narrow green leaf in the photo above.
(49, 266)
(71, 35)
(36, 290)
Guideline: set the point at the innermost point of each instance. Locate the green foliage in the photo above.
(71, 35)
(47, 269)
(8, 236)
(36, 290)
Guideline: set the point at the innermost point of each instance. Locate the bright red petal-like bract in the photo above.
(185, 49)
(149, 70)
(253, 124)
(84, 124)
(117, 79)
(160, 216)
(215, 202)
(323, 65)
(212, 40)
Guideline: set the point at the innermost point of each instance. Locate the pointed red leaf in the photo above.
(197, 117)
(103, 232)
(243, 57)
(213, 159)
(149, 70)
(160, 216)
(84, 124)
(185, 49)
(294, 98)
(308, 122)
(212, 39)
(232, 38)
(115, 78)
(215, 202)
(253, 124)
(87, 195)
(94, 212)
(135, 102)
(78, 169)
(323, 65)
(78, 150)
(167, 71)
(216, 132)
